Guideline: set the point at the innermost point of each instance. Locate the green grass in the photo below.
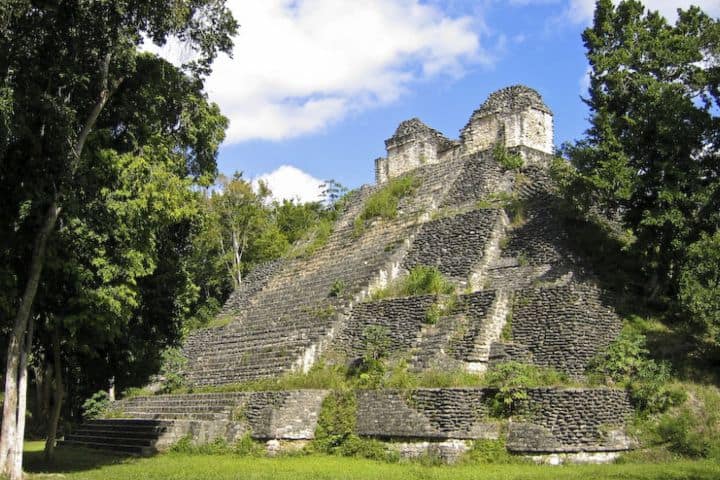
(77, 464)
(421, 280)
(383, 203)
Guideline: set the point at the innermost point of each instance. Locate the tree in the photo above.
(651, 155)
(61, 66)
(699, 290)
(239, 229)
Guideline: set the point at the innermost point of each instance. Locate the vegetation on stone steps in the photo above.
(512, 379)
(509, 161)
(444, 306)
(384, 202)
(421, 280)
(337, 289)
(336, 433)
(96, 405)
(172, 370)
(245, 446)
(511, 202)
(626, 363)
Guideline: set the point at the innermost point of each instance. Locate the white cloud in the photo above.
(581, 11)
(300, 65)
(290, 183)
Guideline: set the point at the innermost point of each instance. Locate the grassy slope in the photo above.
(82, 464)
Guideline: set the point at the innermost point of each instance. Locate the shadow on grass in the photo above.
(68, 459)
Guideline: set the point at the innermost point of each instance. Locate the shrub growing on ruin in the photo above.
(421, 280)
(171, 370)
(383, 203)
(509, 161)
(512, 379)
(627, 363)
(96, 405)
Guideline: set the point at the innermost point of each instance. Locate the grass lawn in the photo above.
(84, 464)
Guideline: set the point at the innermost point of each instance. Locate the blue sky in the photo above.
(320, 84)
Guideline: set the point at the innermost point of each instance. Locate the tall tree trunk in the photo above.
(15, 345)
(16, 456)
(59, 395)
(237, 254)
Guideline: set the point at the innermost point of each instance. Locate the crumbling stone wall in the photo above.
(551, 420)
(562, 327)
(425, 413)
(414, 144)
(454, 244)
(403, 318)
(514, 116)
(475, 307)
(571, 420)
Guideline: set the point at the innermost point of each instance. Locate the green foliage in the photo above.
(688, 430)
(509, 161)
(650, 155)
(335, 433)
(383, 203)
(512, 379)
(336, 422)
(699, 289)
(442, 308)
(114, 274)
(95, 406)
(172, 369)
(425, 280)
(337, 289)
(627, 363)
(421, 280)
(513, 205)
(506, 333)
(490, 452)
(245, 446)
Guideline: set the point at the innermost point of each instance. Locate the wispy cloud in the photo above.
(301, 65)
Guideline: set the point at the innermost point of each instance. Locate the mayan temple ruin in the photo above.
(522, 294)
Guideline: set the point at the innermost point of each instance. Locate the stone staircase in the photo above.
(151, 423)
(124, 436)
(292, 315)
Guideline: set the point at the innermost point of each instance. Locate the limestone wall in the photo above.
(551, 420)
(514, 116)
(561, 327)
(454, 244)
(571, 420)
(403, 319)
(413, 145)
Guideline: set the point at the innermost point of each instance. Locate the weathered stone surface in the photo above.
(551, 420)
(572, 420)
(494, 234)
(454, 244)
(561, 327)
